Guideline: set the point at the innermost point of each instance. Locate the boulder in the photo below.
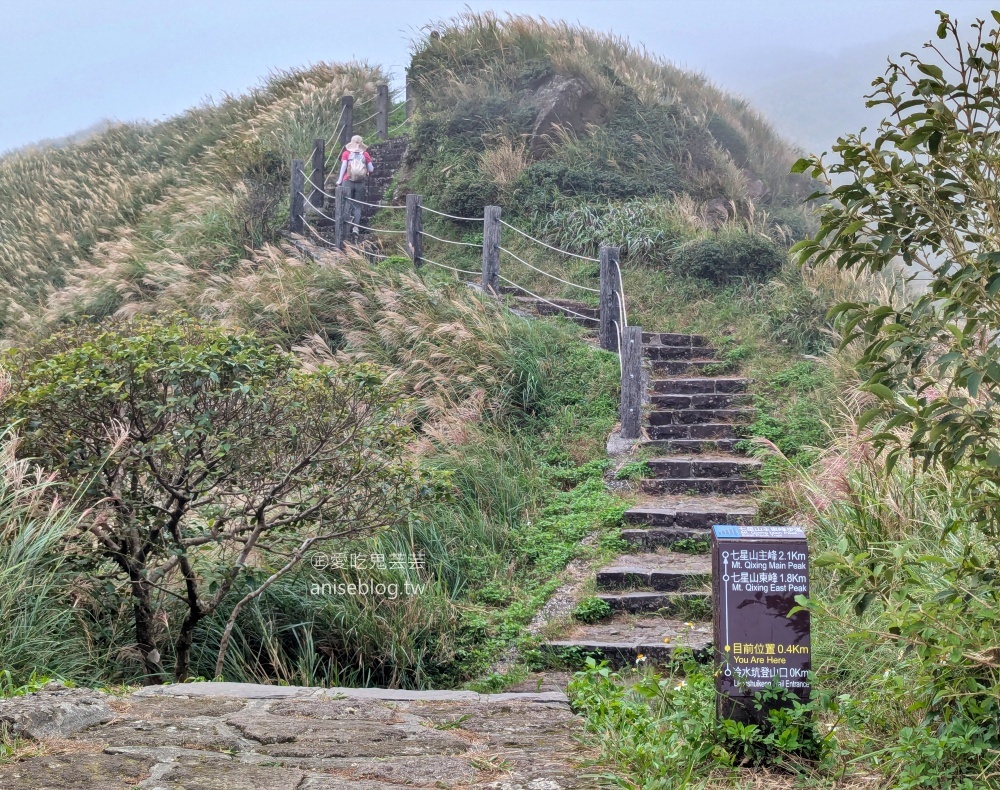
(54, 712)
(567, 102)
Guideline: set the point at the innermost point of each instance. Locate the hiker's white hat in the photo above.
(356, 145)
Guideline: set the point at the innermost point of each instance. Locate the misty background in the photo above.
(67, 67)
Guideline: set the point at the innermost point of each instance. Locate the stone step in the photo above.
(625, 638)
(711, 400)
(697, 485)
(630, 577)
(542, 308)
(691, 605)
(678, 367)
(708, 430)
(587, 312)
(689, 446)
(677, 352)
(673, 339)
(687, 513)
(700, 385)
(703, 466)
(700, 416)
(665, 537)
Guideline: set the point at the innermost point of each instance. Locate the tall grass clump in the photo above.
(43, 632)
(887, 543)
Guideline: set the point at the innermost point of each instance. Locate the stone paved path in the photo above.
(230, 736)
(659, 599)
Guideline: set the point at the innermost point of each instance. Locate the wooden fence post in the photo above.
(382, 112)
(609, 305)
(414, 227)
(491, 250)
(347, 132)
(318, 176)
(630, 407)
(408, 104)
(296, 206)
(339, 215)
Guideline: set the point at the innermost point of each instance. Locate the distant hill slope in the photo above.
(148, 196)
(564, 127)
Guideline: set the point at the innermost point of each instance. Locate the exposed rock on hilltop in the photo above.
(564, 103)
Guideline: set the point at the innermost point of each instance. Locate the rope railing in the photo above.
(553, 304)
(449, 241)
(621, 362)
(317, 210)
(548, 274)
(452, 268)
(374, 205)
(452, 216)
(316, 233)
(319, 189)
(373, 230)
(621, 306)
(395, 129)
(549, 246)
(621, 296)
(617, 293)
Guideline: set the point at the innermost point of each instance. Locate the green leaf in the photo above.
(801, 165)
(879, 390)
(931, 70)
(867, 416)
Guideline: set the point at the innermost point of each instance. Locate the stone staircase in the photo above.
(387, 158)
(660, 598)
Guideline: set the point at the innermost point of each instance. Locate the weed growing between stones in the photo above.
(591, 610)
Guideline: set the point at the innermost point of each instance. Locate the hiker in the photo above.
(355, 167)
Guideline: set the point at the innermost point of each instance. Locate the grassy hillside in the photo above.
(185, 215)
(510, 414)
(628, 127)
(199, 191)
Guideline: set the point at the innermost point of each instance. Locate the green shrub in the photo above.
(645, 229)
(729, 255)
(188, 435)
(465, 194)
(661, 730)
(591, 610)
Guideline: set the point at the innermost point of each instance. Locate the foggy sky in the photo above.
(66, 64)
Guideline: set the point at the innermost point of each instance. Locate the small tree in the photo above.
(207, 455)
(925, 191)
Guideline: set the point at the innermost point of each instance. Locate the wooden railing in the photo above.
(614, 332)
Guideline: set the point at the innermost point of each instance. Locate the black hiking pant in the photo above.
(356, 190)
